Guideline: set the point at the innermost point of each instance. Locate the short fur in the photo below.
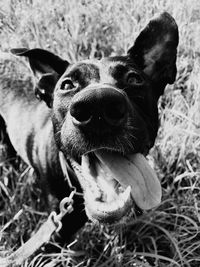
(62, 121)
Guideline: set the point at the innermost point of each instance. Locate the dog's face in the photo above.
(105, 117)
(104, 104)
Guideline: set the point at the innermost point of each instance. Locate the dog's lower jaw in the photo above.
(111, 212)
(101, 207)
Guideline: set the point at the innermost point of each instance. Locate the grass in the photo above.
(166, 236)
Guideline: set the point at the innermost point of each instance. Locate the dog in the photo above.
(101, 115)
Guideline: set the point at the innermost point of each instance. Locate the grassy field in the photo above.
(166, 236)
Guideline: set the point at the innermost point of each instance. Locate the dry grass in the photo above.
(167, 236)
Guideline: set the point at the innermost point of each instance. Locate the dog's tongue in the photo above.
(135, 171)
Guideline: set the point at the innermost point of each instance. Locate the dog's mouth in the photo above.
(112, 184)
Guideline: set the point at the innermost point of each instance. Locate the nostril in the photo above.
(80, 113)
(115, 113)
(81, 123)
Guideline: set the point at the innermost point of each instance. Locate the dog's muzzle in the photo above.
(112, 182)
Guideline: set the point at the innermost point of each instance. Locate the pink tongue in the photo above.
(135, 171)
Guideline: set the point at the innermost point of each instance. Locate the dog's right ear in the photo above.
(155, 51)
(47, 68)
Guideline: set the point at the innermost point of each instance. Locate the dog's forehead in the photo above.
(106, 69)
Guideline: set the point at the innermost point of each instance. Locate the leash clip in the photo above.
(66, 207)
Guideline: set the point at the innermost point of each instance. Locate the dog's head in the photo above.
(105, 117)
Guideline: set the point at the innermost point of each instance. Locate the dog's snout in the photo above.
(93, 105)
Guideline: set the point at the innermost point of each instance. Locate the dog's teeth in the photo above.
(125, 196)
(94, 172)
(85, 164)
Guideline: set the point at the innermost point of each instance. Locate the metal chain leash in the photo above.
(43, 235)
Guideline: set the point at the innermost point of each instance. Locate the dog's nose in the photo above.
(97, 106)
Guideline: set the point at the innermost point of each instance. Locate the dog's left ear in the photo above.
(155, 49)
(47, 67)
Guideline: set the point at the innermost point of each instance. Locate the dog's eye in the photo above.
(134, 78)
(67, 84)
